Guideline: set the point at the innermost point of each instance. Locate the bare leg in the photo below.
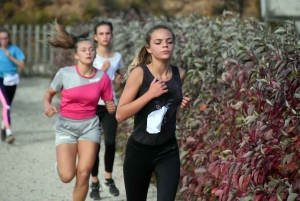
(87, 151)
(108, 175)
(66, 161)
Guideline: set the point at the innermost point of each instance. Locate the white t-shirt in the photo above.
(116, 63)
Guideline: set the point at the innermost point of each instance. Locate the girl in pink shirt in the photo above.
(77, 127)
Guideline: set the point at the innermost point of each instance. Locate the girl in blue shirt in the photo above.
(11, 59)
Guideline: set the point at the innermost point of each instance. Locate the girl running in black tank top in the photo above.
(171, 100)
(152, 94)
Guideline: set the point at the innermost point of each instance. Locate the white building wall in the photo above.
(278, 10)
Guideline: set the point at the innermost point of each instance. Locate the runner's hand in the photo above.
(106, 65)
(185, 103)
(50, 110)
(110, 106)
(157, 88)
(7, 53)
(118, 79)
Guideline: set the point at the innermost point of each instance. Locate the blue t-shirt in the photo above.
(6, 65)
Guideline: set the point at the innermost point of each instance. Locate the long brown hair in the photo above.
(143, 56)
(62, 39)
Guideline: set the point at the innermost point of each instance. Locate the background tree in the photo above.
(70, 12)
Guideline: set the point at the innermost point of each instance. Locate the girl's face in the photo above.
(4, 39)
(103, 35)
(161, 44)
(85, 52)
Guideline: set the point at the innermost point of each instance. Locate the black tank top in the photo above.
(171, 100)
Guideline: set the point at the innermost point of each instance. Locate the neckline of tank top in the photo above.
(172, 67)
(106, 57)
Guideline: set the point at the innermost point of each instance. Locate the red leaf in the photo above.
(269, 134)
(247, 180)
(237, 168)
(219, 192)
(275, 84)
(291, 165)
(256, 176)
(241, 180)
(235, 179)
(291, 129)
(214, 190)
(257, 197)
(250, 110)
(202, 107)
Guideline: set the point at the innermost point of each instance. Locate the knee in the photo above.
(83, 174)
(66, 177)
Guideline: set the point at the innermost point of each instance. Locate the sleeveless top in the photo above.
(171, 100)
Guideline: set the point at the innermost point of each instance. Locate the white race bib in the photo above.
(10, 80)
(154, 120)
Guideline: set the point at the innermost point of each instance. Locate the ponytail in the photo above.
(62, 39)
(143, 57)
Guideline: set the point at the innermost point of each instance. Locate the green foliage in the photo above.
(71, 19)
(40, 11)
(91, 10)
(9, 9)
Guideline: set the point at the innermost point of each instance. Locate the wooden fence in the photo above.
(32, 41)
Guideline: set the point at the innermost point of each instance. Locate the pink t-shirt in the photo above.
(80, 94)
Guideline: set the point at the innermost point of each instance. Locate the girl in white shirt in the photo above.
(111, 63)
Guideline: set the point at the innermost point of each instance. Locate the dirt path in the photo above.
(27, 167)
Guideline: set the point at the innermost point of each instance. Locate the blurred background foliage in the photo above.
(70, 12)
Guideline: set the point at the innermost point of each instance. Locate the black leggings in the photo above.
(141, 160)
(109, 124)
(7, 94)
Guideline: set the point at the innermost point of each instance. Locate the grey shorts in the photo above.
(69, 131)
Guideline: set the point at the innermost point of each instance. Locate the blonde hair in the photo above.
(62, 39)
(144, 57)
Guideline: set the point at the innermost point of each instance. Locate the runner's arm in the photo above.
(50, 110)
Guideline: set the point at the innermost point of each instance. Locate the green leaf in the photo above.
(248, 198)
(289, 157)
(200, 170)
(183, 189)
(247, 154)
(183, 154)
(271, 47)
(269, 102)
(296, 95)
(287, 104)
(284, 133)
(262, 80)
(280, 30)
(228, 151)
(186, 53)
(197, 65)
(257, 39)
(251, 119)
(292, 197)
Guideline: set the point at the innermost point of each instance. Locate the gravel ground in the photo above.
(27, 167)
